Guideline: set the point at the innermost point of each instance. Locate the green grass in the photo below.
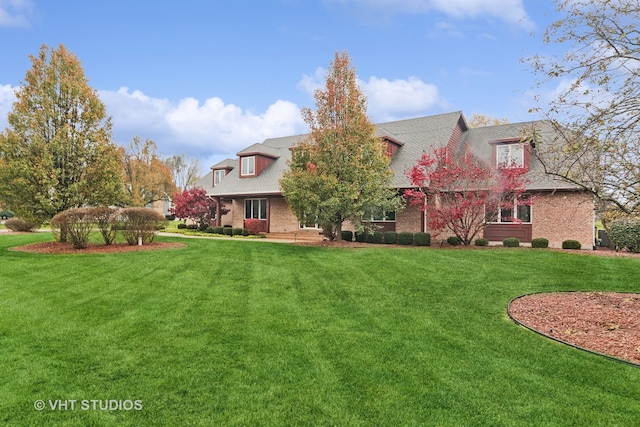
(236, 333)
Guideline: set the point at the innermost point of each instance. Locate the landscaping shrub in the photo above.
(245, 232)
(182, 226)
(203, 226)
(210, 230)
(170, 217)
(405, 238)
(390, 237)
(540, 242)
(347, 235)
(252, 225)
(454, 240)
(375, 237)
(139, 223)
(482, 242)
(192, 226)
(104, 219)
(625, 234)
(422, 239)
(361, 236)
(236, 231)
(571, 244)
(218, 230)
(19, 224)
(511, 242)
(227, 231)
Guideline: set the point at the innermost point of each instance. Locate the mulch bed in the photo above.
(67, 248)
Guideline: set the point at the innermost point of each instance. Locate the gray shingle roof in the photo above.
(416, 136)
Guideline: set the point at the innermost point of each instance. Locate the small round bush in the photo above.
(405, 238)
(236, 231)
(210, 230)
(361, 236)
(511, 242)
(347, 235)
(482, 242)
(375, 237)
(19, 224)
(571, 244)
(182, 226)
(192, 226)
(227, 231)
(390, 237)
(625, 234)
(454, 240)
(540, 242)
(218, 230)
(422, 239)
(245, 232)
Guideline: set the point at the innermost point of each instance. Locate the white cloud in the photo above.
(387, 100)
(15, 13)
(509, 11)
(207, 129)
(7, 98)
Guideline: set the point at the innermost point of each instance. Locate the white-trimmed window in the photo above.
(379, 215)
(255, 208)
(509, 156)
(218, 175)
(520, 211)
(248, 166)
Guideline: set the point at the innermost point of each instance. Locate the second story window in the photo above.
(510, 156)
(218, 175)
(248, 166)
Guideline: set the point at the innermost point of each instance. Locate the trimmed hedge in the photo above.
(390, 237)
(237, 231)
(218, 230)
(422, 239)
(182, 226)
(227, 231)
(482, 242)
(540, 242)
(347, 236)
(361, 236)
(511, 242)
(571, 244)
(19, 224)
(454, 240)
(376, 237)
(405, 238)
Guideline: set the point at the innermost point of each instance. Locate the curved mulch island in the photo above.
(606, 323)
(67, 248)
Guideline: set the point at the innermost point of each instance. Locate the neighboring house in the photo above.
(249, 184)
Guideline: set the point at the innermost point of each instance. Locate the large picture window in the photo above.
(248, 166)
(255, 208)
(509, 156)
(519, 212)
(379, 215)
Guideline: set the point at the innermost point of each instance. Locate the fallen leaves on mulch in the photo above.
(602, 322)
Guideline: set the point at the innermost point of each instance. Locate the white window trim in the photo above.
(216, 176)
(511, 162)
(384, 218)
(259, 209)
(247, 163)
(515, 211)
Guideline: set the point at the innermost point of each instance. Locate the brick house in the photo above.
(249, 186)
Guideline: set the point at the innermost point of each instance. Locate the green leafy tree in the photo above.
(147, 178)
(596, 81)
(342, 169)
(57, 152)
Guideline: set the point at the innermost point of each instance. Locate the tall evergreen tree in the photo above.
(342, 169)
(57, 152)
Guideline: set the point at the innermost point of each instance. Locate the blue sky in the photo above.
(208, 78)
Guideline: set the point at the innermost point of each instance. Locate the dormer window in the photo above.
(509, 156)
(248, 166)
(218, 175)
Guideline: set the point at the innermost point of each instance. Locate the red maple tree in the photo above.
(462, 194)
(196, 205)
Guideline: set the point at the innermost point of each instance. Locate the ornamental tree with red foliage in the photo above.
(460, 194)
(197, 206)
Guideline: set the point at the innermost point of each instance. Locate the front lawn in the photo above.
(228, 332)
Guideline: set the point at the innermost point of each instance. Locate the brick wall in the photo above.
(410, 219)
(562, 216)
(281, 219)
